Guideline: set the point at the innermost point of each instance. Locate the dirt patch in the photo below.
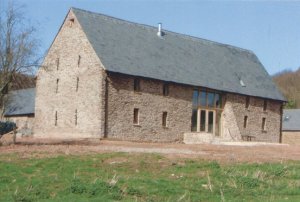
(220, 153)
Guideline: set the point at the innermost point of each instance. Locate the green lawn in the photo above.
(144, 177)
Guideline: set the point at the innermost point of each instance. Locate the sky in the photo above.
(271, 29)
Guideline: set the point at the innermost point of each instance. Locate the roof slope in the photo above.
(135, 49)
(291, 119)
(20, 102)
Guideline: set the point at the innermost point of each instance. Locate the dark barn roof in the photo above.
(20, 102)
(135, 49)
(291, 120)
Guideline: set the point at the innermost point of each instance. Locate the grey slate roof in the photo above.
(135, 49)
(20, 102)
(291, 120)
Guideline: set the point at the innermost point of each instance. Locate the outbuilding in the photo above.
(291, 126)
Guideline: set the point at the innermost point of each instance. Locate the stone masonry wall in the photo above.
(77, 59)
(151, 104)
(255, 114)
(24, 123)
(230, 130)
(291, 137)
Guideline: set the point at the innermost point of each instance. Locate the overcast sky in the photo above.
(271, 29)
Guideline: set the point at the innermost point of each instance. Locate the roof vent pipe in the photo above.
(159, 32)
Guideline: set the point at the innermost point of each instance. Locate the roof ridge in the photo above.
(194, 38)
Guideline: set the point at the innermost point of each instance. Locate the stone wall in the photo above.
(24, 124)
(122, 100)
(291, 137)
(151, 104)
(230, 130)
(70, 57)
(255, 114)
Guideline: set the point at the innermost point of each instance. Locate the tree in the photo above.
(291, 104)
(18, 47)
(289, 84)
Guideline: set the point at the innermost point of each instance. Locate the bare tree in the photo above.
(18, 47)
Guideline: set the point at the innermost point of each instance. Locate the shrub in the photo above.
(6, 127)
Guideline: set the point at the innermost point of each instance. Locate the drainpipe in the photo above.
(105, 104)
(280, 132)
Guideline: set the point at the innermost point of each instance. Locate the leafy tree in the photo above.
(291, 104)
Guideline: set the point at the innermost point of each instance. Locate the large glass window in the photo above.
(202, 120)
(218, 100)
(202, 99)
(210, 99)
(206, 112)
(195, 98)
(210, 122)
(194, 120)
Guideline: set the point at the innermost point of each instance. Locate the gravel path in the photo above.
(221, 153)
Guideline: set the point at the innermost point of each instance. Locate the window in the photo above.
(57, 63)
(57, 81)
(210, 99)
(77, 84)
(194, 120)
(210, 122)
(71, 21)
(247, 102)
(78, 62)
(202, 99)
(55, 119)
(164, 119)
(218, 101)
(166, 89)
(263, 124)
(76, 117)
(195, 98)
(136, 116)
(206, 112)
(136, 85)
(265, 105)
(202, 120)
(245, 121)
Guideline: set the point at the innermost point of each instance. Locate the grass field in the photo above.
(144, 177)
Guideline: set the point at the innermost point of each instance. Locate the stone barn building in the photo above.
(19, 108)
(109, 78)
(291, 126)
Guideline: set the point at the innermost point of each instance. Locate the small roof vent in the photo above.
(286, 118)
(242, 83)
(159, 31)
(240, 80)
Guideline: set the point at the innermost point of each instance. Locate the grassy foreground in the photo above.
(144, 177)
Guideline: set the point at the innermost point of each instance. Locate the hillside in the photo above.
(289, 84)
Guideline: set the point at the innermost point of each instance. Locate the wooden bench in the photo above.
(248, 138)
